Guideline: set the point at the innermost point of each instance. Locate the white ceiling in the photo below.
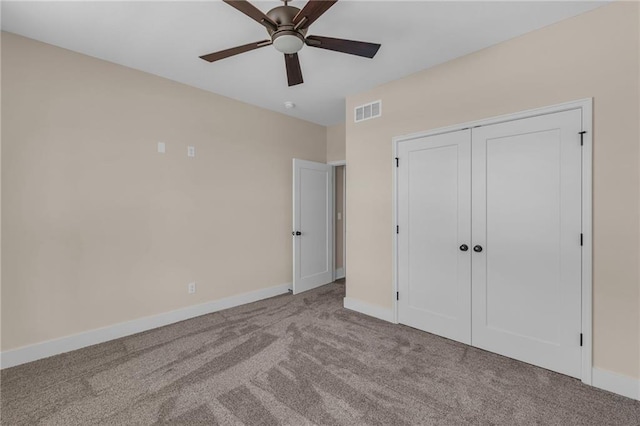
(167, 38)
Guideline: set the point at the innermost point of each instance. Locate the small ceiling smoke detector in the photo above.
(289, 105)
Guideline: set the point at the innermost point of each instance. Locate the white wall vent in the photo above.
(368, 111)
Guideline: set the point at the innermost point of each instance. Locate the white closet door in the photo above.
(526, 290)
(434, 195)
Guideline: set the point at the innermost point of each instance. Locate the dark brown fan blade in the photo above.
(360, 48)
(252, 12)
(294, 73)
(216, 56)
(312, 11)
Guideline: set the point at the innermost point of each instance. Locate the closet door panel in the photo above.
(526, 281)
(434, 221)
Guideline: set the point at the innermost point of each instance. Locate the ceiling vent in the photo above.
(368, 111)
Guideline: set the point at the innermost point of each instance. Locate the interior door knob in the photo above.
(464, 247)
(296, 233)
(477, 249)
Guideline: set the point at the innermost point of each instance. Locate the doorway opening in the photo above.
(340, 174)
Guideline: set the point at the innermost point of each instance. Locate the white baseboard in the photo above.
(616, 383)
(603, 379)
(368, 309)
(339, 273)
(49, 348)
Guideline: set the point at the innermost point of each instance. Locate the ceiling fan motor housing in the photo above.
(286, 38)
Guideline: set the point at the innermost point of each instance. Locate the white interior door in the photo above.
(434, 219)
(312, 225)
(526, 281)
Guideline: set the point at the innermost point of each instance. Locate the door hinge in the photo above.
(397, 295)
(581, 239)
(580, 339)
(397, 162)
(582, 137)
(397, 229)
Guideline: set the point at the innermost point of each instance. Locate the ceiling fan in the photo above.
(287, 27)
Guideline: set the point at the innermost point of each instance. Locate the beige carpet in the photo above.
(297, 360)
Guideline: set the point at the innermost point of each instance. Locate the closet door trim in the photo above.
(586, 108)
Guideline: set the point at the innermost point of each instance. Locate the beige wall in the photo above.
(592, 55)
(336, 137)
(339, 229)
(98, 228)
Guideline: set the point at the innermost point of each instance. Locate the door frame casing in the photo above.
(586, 107)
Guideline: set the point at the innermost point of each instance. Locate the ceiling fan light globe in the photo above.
(288, 43)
